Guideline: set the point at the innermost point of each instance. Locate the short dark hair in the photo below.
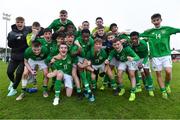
(63, 12)
(85, 22)
(134, 33)
(70, 33)
(61, 34)
(112, 25)
(156, 15)
(100, 27)
(115, 40)
(36, 43)
(47, 30)
(109, 34)
(85, 31)
(97, 40)
(99, 18)
(20, 19)
(62, 43)
(36, 24)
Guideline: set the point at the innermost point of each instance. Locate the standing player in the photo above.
(85, 43)
(60, 24)
(126, 58)
(159, 41)
(99, 22)
(97, 56)
(141, 49)
(17, 42)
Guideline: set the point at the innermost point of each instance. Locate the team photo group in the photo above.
(81, 62)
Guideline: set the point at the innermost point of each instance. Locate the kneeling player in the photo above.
(63, 68)
(33, 56)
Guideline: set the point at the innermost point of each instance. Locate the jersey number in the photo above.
(65, 66)
(158, 36)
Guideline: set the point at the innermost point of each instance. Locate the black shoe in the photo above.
(80, 96)
(116, 92)
(52, 88)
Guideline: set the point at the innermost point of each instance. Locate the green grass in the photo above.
(106, 105)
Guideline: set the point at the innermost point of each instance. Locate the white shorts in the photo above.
(68, 81)
(100, 67)
(158, 63)
(114, 62)
(41, 64)
(124, 65)
(146, 65)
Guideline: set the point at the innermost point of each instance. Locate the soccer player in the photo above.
(97, 56)
(63, 70)
(114, 29)
(85, 25)
(17, 42)
(74, 51)
(99, 22)
(61, 23)
(33, 56)
(85, 43)
(141, 49)
(100, 34)
(37, 32)
(108, 47)
(53, 51)
(159, 41)
(126, 57)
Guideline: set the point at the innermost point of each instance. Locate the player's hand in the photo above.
(94, 34)
(123, 40)
(52, 60)
(61, 28)
(106, 61)
(130, 58)
(140, 66)
(35, 31)
(80, 28)
(79, 51)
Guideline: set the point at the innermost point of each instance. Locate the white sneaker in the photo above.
(56, 101)
(10, 86)
(21, 96)
(12, 92)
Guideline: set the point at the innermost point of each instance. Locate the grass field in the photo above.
(106, 105)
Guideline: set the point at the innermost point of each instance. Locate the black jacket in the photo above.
(17, 41)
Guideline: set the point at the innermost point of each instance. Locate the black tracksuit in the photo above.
(17, 43)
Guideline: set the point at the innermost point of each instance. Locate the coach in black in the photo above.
(17, 43)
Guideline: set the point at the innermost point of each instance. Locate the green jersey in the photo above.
(86, 46)
(56, 24)
(30, 55)
(141, 50)
(97, 58)
(122, 55)
(159, 40)
(72, 51)
(64, 65)
(53, 50)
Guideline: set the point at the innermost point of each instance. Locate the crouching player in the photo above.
(33, 56)
(126, 58)
(141, 49)
(62, 71)
(97, 56)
